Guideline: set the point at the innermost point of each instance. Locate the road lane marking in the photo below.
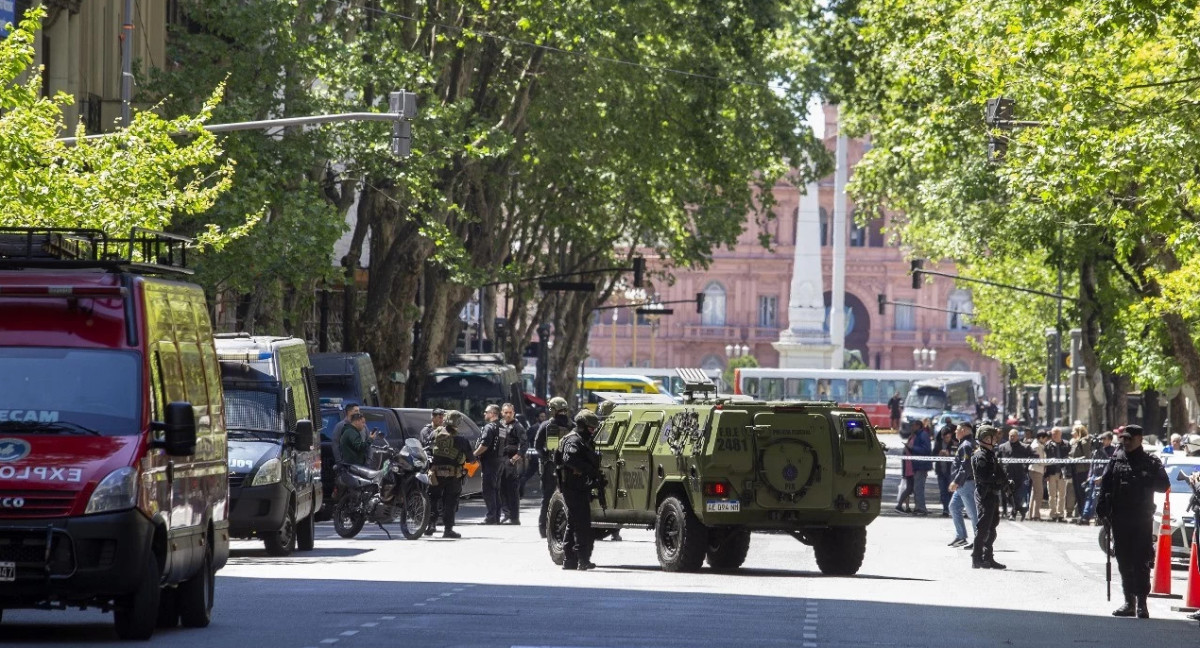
(349, 633)
(387, 618)
(329, 641)
(370, 624)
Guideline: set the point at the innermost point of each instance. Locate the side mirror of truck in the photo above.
(304, 435)
(179, 430)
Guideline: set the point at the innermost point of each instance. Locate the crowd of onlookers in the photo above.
(1053, 492)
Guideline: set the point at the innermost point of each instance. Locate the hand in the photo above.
(953, 486)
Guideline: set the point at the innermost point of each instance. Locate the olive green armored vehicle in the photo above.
(707, 473)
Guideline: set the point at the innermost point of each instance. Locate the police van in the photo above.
(274, 465)
(113, 488)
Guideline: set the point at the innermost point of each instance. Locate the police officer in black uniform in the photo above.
(488, 451)
(578, 474)
(1126, 504)
(990, 482)
(553, 428)
(450, 452)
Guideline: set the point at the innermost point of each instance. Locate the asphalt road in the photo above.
(496, 587)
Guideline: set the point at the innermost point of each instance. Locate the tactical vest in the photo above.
(445, 451)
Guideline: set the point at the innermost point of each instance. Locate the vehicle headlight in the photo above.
(268, 473)
(116, 492)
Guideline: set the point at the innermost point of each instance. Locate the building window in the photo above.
(961, 307)
(876, 233)
(906, 316)
(825, 226)
(766, 311)
(714, 305)
(858, 235)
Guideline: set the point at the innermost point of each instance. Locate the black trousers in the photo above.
(989, 518)
(549, 483)
(1079, 483)
(451, 488)
(1133, 546)
(578, 544)
(510, 491)
(491, 488)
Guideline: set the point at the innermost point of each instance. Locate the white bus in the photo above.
(869, 389)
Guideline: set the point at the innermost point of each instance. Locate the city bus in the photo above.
(869, 389)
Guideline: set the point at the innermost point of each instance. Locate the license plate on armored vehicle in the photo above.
(8, 572)
(723, 507)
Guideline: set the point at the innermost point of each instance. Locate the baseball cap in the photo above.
(437, 411)
(1130, 431)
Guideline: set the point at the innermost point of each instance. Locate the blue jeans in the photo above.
(964, 497)
(1089, 507)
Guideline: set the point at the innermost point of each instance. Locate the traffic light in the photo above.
(882, 302)
(916, 265)
(998, 114)
(700, 302)
(639, 271)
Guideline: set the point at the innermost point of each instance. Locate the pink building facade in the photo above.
(746, 300)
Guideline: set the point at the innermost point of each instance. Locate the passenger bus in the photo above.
(666, 378)
(869, 389)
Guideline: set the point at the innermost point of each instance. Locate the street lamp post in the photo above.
(635, 296)
(924, 358)
(614, 339)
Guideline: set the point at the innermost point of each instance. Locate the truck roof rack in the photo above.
(145, 251)
(695, 383)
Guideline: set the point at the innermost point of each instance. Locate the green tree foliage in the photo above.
(139, 177)
(740, 362)
(552, 138)
(1102, 188)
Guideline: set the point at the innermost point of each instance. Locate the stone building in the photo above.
(746, 300)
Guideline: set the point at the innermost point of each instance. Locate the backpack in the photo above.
(444, 447)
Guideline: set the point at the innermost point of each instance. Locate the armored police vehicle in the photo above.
(705, 474)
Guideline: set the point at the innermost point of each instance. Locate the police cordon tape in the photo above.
(1003, 460)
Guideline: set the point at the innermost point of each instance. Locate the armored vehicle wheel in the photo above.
(306, 533)
(347, 519)
(282, 542)
(680, 537)
(840, 550)
(168, 608)
(556, 527)
(196, 595)
(136, 614)
(727, 549)
(414, 513)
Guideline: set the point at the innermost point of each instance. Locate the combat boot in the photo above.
(1127, 610)
(978, 563)
(453, 535)
(1143, 612)
(585, 565)
(990, 563)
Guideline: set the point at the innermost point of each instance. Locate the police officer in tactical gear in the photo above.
(990, 482)
(511, 447)
(488, 453)
(553, 428)
(579, 473)
(437, 417)
(1126, 505)
(450, 452)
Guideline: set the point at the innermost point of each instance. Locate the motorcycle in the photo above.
(398, 490)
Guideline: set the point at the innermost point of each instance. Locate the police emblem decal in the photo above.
(790, 472)
(14, 449)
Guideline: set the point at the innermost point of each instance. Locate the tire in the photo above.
(168, 609)
(414, 513)
(196, 595)
(556, 528)
(136, 614)
(840, 550)
(681, 539)
(727, 550)
(347, 519)
(306, 533)
(282, 542)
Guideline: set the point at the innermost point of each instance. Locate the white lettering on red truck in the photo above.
(28, 416)
(41, 473)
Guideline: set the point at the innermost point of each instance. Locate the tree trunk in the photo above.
(1091, 316)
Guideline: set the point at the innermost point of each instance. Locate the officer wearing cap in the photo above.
(550, 431)
(427, 432)
(579, 473)
(1126, 505)
(990, 482)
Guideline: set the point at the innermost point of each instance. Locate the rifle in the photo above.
(1108, 553)
(601, 495)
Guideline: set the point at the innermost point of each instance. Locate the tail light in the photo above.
(718, 489)
(872, 491)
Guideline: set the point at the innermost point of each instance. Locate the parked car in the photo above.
(270, 402)
(1182, 521)
(113, 486)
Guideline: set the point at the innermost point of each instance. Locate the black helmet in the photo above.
(588, 419)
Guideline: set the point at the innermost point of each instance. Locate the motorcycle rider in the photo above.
(450, 452)
(579, 473)
(553, 428)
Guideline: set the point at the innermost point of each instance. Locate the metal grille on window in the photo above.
(253, 410)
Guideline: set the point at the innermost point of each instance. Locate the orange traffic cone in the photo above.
(1162, 558)
(1192, 599)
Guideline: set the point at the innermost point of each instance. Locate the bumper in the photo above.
(80, 559)
(257, 509)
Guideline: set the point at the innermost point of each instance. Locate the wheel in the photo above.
(347, 519)
(168, 608)
(727, 550)
(840, 550)
(136, 614)
(196, 595)
(556, 527)
(306, 533)
(680, 538)
(283, 541)
(414, 513)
